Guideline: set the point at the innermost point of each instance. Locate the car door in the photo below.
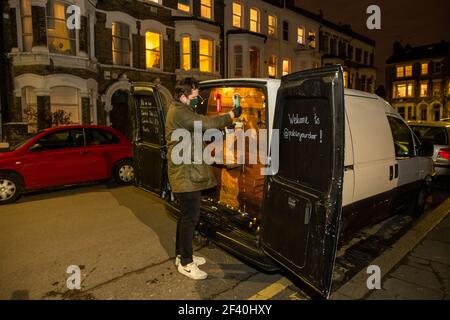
(59, 158)
(302, 204)
(149, 152)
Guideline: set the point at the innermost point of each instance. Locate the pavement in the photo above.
(424, 273)
(123, 241)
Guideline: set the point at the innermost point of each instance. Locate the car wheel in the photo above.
(10, 188)
(418, 205)
(124, 172)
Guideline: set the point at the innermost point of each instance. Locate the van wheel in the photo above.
(124, 172)
(418, 205)
(11, 187)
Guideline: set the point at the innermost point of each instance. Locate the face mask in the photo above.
(194, 102)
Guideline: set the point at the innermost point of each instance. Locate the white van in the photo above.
(360, 164)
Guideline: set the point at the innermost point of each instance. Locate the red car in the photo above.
(65, 156)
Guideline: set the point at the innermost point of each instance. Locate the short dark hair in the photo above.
(185, 87)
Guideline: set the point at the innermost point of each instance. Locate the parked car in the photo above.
(62, 156)
(359, 162)
(438, 133)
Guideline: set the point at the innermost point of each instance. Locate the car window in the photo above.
(436, 135)
(97, 137)
(60, 140)
(403, 141)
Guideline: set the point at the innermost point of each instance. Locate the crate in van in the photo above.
(357, 163)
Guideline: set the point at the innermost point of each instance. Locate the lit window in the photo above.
(410, 90)
(423, 89)
(237, 15)
(186, 53)
(155, 1)
(272, 67)
(121, 44)
(424, 68)
(27, 25)
(272, 25)
(300, 36)
(153, 50)
(254, 20)
(401, 90)
(404, 90)
(206, 55)
(400, 72)
(60, 38)
(312, 40)
(184, 5)
(238, 61)
(206, 9)
(286, 67)
(408, 71)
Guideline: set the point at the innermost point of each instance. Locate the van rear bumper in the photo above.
(222, 232)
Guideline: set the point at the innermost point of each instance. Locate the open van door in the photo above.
(302, 204)
(149, 153)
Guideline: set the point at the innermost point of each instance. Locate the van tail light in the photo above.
(444, 153)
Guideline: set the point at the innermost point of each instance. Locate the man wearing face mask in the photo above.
(187, 181)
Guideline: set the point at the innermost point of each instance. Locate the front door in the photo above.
(302, 204)
(149, 154)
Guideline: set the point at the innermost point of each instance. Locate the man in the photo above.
(187, 180)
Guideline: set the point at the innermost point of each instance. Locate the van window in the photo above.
(436, 135)
(403, 142)
(97, 137)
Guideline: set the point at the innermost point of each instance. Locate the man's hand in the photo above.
(236, 112)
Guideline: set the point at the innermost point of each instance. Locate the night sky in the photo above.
(414, 22)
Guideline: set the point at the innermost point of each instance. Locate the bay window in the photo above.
(60, 39)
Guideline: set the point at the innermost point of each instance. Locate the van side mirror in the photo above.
(426, 148)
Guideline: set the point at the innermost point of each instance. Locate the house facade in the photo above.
(272, 38)
(60, 74)
(418, 81)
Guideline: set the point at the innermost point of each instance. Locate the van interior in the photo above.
(240, 186)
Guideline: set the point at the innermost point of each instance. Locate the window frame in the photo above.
(302, 38)
(211, 9)
(183, 54)
(200, 55)
(121, 51)
(422, 65)
(272, 64)
(289, 66)
(153, 50)
(257, 22)
(273, 27)
(233, 15)
(179, 8)
(73, 40)
(24, 17)
(285, 27)
(412, 152)
(236, 55)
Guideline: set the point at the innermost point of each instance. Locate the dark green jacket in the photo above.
(190, 177)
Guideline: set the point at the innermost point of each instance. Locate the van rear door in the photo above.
(148, 144)
(302, 204)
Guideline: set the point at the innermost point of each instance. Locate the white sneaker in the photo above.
(192, 271)
(197, 260)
